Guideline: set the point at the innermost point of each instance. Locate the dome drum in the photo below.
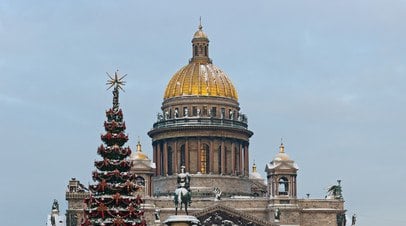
(201, 109)
(199, 125)
(193, 132)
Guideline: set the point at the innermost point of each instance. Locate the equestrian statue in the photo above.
(182, 192)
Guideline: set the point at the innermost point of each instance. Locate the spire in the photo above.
(254, 168)
(281, 147)
(139, 145)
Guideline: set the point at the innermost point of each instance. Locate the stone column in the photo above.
(159, 159)
(175, 159)
(155, 156)
(187, 155)
(198, 156)
(223, 158)
(211, 162)
(241, 158)
(246, 161)
(233, 158)
(165, 158)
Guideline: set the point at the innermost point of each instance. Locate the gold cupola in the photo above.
(138, 155)
(200, 77)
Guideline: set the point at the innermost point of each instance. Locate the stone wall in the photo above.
(203, 185)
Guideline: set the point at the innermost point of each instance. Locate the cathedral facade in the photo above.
(200, 129)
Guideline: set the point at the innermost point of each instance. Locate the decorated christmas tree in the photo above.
(112, 201)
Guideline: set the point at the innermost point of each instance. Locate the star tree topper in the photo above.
(118, 84)
(116, 81)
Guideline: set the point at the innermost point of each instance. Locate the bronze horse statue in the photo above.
(182, 197)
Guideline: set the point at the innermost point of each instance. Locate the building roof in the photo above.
(200, 77)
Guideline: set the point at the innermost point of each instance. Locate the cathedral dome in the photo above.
(200, 77)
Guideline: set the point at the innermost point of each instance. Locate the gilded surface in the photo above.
(200, 79)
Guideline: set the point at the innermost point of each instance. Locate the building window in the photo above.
(140, 181)
(223, 112)
(170, 172)
(213, 112)
(195, 53)
(205, 159)
(204, 110)
(283, 187)
(194, 111)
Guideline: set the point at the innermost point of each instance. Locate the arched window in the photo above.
(170, 172)
(205, 159)
(195, 53)
(182, 156)
(283, 187)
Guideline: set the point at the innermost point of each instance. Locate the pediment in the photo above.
(227, 216)
(282, 166)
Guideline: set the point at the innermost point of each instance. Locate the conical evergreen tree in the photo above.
(112, 202)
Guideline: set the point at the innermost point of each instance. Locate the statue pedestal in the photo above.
(181, 220)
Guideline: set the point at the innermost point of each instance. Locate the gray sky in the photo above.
(327, 76)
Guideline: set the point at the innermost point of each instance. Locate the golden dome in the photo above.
(199, 33)
(139, 155)
(200, 79)
(282, 156)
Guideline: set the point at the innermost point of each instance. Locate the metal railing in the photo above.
(200, 121)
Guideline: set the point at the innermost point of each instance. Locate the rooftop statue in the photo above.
(55, 205)
(335, 191)
(182, 192)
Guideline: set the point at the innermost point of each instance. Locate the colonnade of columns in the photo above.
(216, 156)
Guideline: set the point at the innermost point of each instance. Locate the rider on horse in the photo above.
(182, 193)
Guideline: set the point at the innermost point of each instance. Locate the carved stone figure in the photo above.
(353, 219)
(186, 112)
(55, 205)
(217, 194)
(277, 214)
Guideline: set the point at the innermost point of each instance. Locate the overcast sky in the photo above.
(327, 76)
